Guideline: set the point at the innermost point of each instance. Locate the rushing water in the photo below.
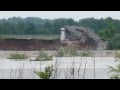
(90, 68)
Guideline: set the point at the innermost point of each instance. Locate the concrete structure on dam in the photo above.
(75, 34)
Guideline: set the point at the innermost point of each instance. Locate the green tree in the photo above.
(114, 42)
(20, 27)
(29, 28)
(48, 28)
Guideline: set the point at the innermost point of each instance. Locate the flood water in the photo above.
(83, 67)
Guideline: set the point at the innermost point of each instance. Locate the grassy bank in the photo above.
(45, 37)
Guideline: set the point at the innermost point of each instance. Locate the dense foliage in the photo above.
(31, 25)
(114, 42)
(34, 26)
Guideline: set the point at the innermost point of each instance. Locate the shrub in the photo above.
(68, 52)
(60, 52)
(117, 56)
(71, 51)
(115, 70)
(17, 56)
(86, 53)
(43, 56)
(47, 73)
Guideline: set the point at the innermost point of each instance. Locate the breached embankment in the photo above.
(35, 44)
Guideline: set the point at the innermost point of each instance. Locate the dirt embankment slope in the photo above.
(24, 44)
(34, 44)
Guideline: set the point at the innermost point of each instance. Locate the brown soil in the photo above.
(33, 44)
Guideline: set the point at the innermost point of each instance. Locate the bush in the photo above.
(60, 52)
(68, 52)
(117, 56)
(43, 56)
(47, 73)
(17, 56)
(86, 53)
(115, 70)
(71, 51)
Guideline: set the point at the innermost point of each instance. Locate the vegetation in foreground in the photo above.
(47, 73)
(115, 71)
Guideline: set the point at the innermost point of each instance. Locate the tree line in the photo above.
(33, 26)
(104, 27)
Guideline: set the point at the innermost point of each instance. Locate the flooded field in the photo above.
(89, 68)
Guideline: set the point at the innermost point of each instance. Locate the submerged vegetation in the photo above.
(86, 53)
(17, 56)
(68, 52)
(72, 51)
(43, 56)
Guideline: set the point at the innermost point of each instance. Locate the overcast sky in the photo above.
(76, 15)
